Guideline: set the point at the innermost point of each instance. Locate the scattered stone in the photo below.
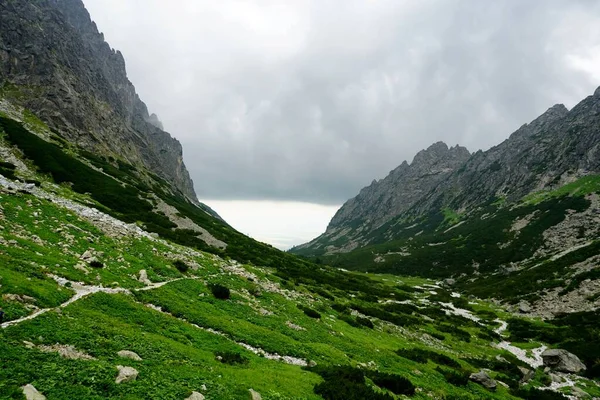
(126, 374)
(196, 396)
(484, 380)
(527, 374)
(556, 378)
(31, 393)
(143, 278)
(524, 307)
(563, 361)
(254, 395)
(293, 326)
(66, 351)
(87, 255)
(129, 354)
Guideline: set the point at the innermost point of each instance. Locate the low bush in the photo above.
(181, 266)
(394, 383)
(309, 312)
(220, 291)
(345, 383)
(96, 264)
(231, 358)
(455, 377)
(365, 322)
(422, 356)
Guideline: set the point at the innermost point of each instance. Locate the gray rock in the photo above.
(484, 380)
(129, 354)
(196, 396)
(143, 277)
(527, 374)
(31, 393)
(254, 395)
(524, 307)
(563, 361)
(126, 374)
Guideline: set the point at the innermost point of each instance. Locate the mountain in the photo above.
(55, 63)
(115, 283)
(523, 211)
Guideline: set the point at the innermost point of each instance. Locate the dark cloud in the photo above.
(311, 100)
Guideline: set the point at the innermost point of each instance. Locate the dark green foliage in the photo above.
(341, 308)
(537, 394)
(181, 266)
(309, 311)
(8, 170)
(96, 264)
(438, 336)
(231, 358)
(345, 383)
(379, 312)
(455, 377)
(422, 356)
(394, 383)
(365, 322)
(457, 332)
(220, 291)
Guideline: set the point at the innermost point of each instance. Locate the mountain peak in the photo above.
(597, 92)
(437, 152)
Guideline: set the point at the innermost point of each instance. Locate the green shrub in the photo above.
(345, 383)
(96, 264)
(394, 383)
(181, 266)
(309, 312)
(365, 322)
(231, 358)
(421, 356)
(455, 377)
(220, 291)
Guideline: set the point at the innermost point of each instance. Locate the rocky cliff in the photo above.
(55, 63)
(555, 149)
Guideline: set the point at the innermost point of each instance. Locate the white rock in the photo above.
(254, 395)
(31, 393)
(196, 396)
(129, 354)
(126, 374)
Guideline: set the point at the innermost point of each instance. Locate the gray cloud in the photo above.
(312, 99)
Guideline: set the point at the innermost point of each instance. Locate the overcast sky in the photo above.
(310, 100)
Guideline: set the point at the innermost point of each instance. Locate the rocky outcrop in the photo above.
(54, 62)
(126, 374)
(562, 361)
(398, 192)
(254, 395)
(484, 380)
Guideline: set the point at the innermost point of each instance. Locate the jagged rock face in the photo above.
(558, 147)
(54, 62)
(384, 199)
(554, 149)
(399, 191)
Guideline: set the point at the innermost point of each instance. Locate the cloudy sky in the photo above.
(286, 108)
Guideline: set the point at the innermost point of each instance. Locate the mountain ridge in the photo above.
(77, 84)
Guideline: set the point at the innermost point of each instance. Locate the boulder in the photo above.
(527, 374)
(126, 374)
(580, 394)
(129, 354)
(31, 393)
(563, 361)
(254, 395)
(484, 380)
(196, 396)
(524, 307)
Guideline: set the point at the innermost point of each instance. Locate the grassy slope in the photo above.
(179, 357)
